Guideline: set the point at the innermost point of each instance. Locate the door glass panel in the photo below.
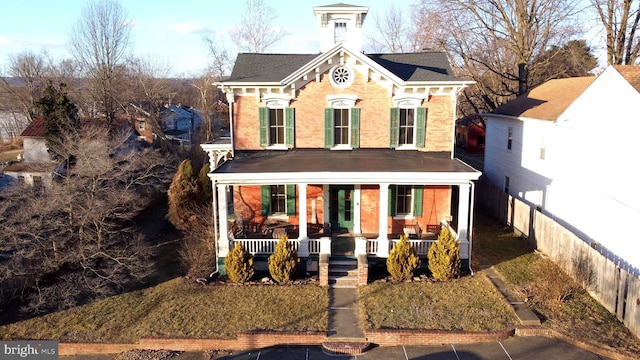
(347, 205)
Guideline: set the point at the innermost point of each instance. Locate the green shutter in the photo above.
(328, 128)
(263, 115)
(392, 200)
(289, 118)
(394, 127)
(291, 199)
(355, 128)
(417, 200)
(421, 124)
(265, 195)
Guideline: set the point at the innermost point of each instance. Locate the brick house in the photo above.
(342, 151)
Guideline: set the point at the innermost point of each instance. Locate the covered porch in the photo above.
(341, 203)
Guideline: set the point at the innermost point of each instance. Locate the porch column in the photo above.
(357, 210)
(222, 247)
(383, 239)
(303, 250)
(463, 220)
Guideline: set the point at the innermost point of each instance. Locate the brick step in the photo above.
(345, 347)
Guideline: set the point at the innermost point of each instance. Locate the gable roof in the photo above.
(631, 73)
(547, 101)
(260, 68)
(417, 66)
(274, 68)
(35, 128)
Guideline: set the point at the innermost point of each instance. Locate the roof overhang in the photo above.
(365, 167)
(336, 56)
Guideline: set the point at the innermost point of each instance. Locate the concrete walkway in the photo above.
(344, 317)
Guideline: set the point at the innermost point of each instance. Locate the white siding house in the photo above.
(571, 155)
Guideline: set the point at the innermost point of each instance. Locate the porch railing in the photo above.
(261, 246)
(421, 246)
(268, 246)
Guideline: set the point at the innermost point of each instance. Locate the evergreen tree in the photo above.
(444, 256)
(183, 196)
(284, 262)
(60, 117)
(239, 264)
(402, 260)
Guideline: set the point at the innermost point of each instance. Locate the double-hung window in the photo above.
(278, 200)
(342, 124)
(276, 127)
(407, 127)
(406, 200)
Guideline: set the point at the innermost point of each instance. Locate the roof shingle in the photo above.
(418, 66)
(547, 101)
(631, 73)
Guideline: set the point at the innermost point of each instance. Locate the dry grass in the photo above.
(468, 303)
(177, 309)
(553, 295)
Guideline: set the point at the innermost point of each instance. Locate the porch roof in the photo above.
(361, 166)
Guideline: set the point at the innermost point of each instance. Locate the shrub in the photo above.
(284, 262)
(444, 256)
(402, 260)
(239, 264)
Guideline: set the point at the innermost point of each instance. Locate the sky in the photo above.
(167, 31)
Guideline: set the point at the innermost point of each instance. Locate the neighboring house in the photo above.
(567, 147)
(470, 134)
(181, 123)
(342, 151)
(36, 168)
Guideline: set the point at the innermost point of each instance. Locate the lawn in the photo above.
(561, 304)
(178, 309)
(468, 303)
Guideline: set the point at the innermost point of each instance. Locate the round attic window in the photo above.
(341, 76)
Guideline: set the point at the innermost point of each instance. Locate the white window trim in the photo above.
(277, 101)
(405, 105)
(408, 216)
(342, 102)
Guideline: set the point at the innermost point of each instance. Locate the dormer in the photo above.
(340, 23)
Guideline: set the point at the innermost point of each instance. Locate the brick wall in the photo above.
(436, 205)
(264, 339)
(440, 124)
(374, 103)
(432, 337)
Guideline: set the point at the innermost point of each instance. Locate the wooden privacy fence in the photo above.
(615, 287)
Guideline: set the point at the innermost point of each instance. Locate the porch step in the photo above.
(345, 347)
(343, 273)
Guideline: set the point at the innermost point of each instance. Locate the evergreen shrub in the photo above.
(284, 262)
(239, 264)
(402, 260)
(444, 256)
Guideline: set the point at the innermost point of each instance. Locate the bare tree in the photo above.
(76, 240)
(393, 33)
(221, 61)
(620, 20)
(256, 31)
(495, 41)
(100, 42)
(28, 74)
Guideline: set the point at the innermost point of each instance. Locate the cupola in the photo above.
(340, 23)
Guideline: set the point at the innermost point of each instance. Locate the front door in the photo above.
(341, 208)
